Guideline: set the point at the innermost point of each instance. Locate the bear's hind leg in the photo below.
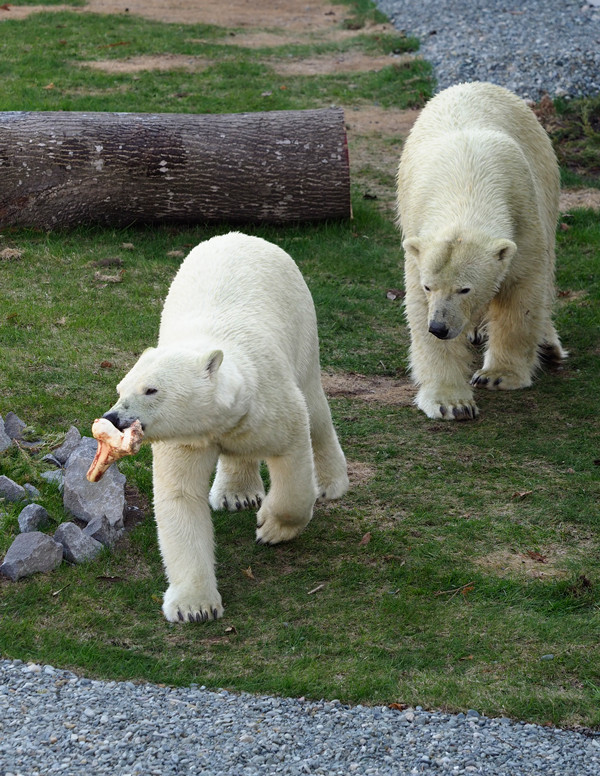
(551, 352)
(237, 484)
(330, 461)
(515, 330)
(185, 531)
(287, 508)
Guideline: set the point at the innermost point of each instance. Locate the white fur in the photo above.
(235, 378)
(478, 188)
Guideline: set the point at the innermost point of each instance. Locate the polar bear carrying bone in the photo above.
(235, 379)
(478, 188)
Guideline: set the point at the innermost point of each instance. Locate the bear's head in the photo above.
(459, 277)
(175, 394)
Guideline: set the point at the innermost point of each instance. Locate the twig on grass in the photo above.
(464, 589)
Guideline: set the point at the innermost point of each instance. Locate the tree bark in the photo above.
(60, 169)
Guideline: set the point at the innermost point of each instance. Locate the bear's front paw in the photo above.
(442, 408)
(182, 605)
(500, 380)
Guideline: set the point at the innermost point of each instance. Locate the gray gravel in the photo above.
(529, 46)
(54, 722)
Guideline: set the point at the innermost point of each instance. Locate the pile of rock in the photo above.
(99, 506)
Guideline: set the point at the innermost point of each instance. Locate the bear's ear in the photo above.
(412, 247)
(212, 362)
(504, 250)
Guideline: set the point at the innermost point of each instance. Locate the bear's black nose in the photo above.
(113, 418)
(440, 330)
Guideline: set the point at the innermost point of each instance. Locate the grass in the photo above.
(462, 557)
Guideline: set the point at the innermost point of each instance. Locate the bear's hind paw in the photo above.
(334, 489)
(500, 380)
(235, 502)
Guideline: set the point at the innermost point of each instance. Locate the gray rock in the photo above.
(32, 491)
(5, 440)
(14, 426)
(87, 500)
(32, 518)
(71, 442)
(102, 531)
(78, 547)
(52, 459)
(31, 553)
(58, 477)
(10, 491)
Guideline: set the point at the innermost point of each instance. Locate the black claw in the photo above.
(215, 614)
(252, 503)
(246, 504)
(191, 617)
(260, 525)
(199, 617)
(258, 501)
(238, 506)
(497, 381)
(225, 504)
(462, 413)
(443, 410)
(180, 615)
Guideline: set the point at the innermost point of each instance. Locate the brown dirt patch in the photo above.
(574, 198)
(348, 62)
(290, 15)
(506, 563)
(158, 62)
(23, 11)
(360, 473)
(264, 39)
(385, 390)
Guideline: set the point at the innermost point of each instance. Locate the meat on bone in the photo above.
(112, 445)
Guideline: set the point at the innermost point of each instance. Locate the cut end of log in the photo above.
(112, 445)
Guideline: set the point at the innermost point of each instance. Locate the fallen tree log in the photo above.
(60, 169)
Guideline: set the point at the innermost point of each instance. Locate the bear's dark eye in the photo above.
(426, 288)
(150, 391)
(464, 290)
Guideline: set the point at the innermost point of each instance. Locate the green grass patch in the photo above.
(464, 555)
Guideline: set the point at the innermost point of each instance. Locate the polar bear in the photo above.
(234, 379)
(478, 188)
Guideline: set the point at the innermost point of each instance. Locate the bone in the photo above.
(112, 445)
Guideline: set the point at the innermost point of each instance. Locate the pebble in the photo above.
(55, 722)
(529, 47)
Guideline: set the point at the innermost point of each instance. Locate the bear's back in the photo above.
(483, 107)
(240, 289)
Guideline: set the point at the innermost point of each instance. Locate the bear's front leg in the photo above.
(441, 369)
(185, 531)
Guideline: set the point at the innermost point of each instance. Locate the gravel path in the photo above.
(53, 722)
(528, 46)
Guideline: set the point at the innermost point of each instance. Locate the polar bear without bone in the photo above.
(478, 188)
(235, 378)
